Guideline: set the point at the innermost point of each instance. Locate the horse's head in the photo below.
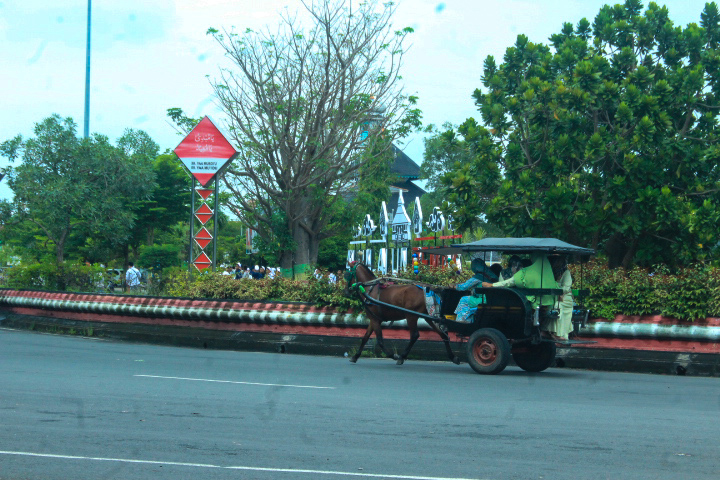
(357, 274)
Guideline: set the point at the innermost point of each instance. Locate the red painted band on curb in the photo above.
(651, 344)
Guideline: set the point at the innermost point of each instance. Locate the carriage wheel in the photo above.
(488, 351)
(534, 358)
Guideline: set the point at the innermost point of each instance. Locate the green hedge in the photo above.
(68, 276)
(687, 294)
(319, 292)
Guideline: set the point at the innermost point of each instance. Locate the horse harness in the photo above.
(360, 287)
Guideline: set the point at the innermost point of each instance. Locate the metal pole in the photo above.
(216, 214)
(87, 75)
(192, 226)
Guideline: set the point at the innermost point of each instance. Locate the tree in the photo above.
(169, 202)
(66, 184)
(307, 109)
(605, 138)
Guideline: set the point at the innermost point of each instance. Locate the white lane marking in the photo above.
(231, 467)
(239, 383)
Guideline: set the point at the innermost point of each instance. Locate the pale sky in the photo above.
(150, 55)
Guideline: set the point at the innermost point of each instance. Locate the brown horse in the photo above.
(410, 297)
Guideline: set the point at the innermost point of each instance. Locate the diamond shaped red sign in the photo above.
(205, 151)
(202, 262)
(203, 237)
(204, 192)
(203, 214)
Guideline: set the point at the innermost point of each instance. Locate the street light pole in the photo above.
(87, 75)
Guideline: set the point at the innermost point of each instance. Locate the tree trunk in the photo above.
(126, 255)
(60, 251)
(301, 256)
(630, 253)
(150, 235)
(286, 261)
(615, 249)
(314, 248)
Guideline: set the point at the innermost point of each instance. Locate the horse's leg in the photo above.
(414, 335)
(381, 342)
(364, 340)
(446, 340)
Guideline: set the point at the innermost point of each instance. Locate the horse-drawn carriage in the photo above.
(508, 322)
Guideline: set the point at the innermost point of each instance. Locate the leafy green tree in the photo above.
(607, 137)
(169, 202)
(69, 185)
(158, 257)
(307, 109)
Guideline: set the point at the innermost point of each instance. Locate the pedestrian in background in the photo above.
(132, 277)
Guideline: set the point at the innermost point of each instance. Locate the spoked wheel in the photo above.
(534, 358)
(488, 351)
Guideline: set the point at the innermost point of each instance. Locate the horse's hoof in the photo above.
(353, 359)
(456, 360)
(400, 361)
(397, 357)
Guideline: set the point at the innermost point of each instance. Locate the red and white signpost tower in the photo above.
(205, 152)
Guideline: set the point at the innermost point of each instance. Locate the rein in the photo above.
(382, 280)
(398, 280)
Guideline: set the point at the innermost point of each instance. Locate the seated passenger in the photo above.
(538, 275)
(468, 304)
(514, 264)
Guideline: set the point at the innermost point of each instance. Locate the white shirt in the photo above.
(132, 277)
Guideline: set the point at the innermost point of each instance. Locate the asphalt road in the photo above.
(73, 408)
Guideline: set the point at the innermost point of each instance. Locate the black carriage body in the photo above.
(505, 309)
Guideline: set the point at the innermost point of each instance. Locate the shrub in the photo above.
(687, 294)
(66, 276)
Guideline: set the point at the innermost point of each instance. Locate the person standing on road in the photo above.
(132, 277)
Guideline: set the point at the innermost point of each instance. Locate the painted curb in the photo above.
(276, 314)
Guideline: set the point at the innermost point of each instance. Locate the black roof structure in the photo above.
(512, 245)
(522, 245)
(404, 166)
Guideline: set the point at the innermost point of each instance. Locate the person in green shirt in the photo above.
(539, 275)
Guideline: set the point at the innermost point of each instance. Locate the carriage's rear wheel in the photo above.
(534, 358)
(488, 351)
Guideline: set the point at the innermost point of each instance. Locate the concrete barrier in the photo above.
(652, 344)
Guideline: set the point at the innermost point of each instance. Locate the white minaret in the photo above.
(401, 222)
